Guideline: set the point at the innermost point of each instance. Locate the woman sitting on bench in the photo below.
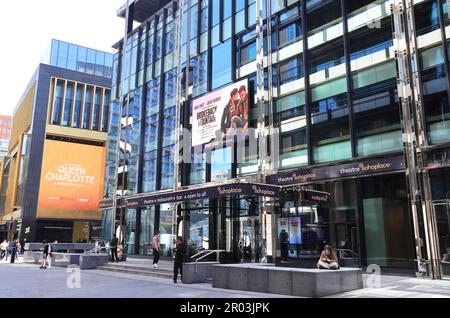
(328, 259)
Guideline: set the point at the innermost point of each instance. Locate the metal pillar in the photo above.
(123, 49)
(266, 227)
(414, 138)
(179, 103)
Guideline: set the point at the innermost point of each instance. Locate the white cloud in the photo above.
(27, 26)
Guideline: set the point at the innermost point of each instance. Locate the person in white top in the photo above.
(4, 249)
(156, 249)
(50, 254)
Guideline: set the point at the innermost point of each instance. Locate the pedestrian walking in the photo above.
(44, 255)
(18, 250)
(12, 250)
(4, 250)
(97, 247)
(120, 252)
(113, 246)
(50, 254)
(156, 249)
(179, 252)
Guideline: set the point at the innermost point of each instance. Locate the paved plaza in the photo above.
(28, 281)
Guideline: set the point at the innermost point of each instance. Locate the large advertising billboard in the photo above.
(220, 114)
(71, 180)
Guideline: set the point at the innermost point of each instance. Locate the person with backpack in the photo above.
(156, 249)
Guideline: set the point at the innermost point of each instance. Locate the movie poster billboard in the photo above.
(220, 114)
(283, 224)
(71, 180)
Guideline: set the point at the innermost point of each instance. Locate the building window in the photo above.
(167, 168)
(96, 111)
(377, 121)
(248, 53)
(57, 107)
(221, 64)
(68, 105)
(289, 34)
(78, 106)
(87, 108)
(105, 115)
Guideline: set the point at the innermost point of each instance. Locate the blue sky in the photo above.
(27, 26)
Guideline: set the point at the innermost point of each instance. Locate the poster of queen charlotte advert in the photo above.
(220, 114)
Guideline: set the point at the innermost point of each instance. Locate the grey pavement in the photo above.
(401, 287)
(28, 281)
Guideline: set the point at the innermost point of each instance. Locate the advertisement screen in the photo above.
(71, 179)
(295, 230)
(220, 114)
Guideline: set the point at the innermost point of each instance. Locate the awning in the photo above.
(353, 169)
(217, 191)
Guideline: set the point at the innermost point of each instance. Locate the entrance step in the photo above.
(163, 272)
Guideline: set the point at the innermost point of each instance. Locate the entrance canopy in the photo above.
(216, 191)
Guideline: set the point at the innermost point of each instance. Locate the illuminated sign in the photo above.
(71, 178)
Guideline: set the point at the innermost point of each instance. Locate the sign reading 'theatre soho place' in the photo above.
(220, 114)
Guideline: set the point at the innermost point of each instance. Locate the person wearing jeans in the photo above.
(179, 251)
(113, 245)
(156, 249)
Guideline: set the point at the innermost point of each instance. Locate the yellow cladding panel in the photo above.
(22, 117)
(2, 168)
(11, 185)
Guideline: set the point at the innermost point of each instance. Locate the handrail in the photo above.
(95, 250)
(343, 251)
(208, 252)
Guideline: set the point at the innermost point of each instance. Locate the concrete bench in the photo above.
(195, 273)
(70, 247)
(84, 261)
(267, 278)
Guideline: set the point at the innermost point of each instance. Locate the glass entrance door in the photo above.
(249, 239)
(442, 213)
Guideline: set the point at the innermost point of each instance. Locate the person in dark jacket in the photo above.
(13, 250)
(113, 245)
(284, 243)
(44, 255)
(179, 251)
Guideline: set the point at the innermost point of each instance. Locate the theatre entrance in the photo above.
(231, 224)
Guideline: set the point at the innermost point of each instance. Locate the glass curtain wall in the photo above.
(76, 105)
(80, 59)
(433, 63)
(328, 84)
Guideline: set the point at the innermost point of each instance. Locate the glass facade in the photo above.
(80, 59)
(79, 105)
(332, 92)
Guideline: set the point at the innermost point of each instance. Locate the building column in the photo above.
(408, 83)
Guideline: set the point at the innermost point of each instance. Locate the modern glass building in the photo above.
(52, 177)
(348, 102)
(78, 58)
